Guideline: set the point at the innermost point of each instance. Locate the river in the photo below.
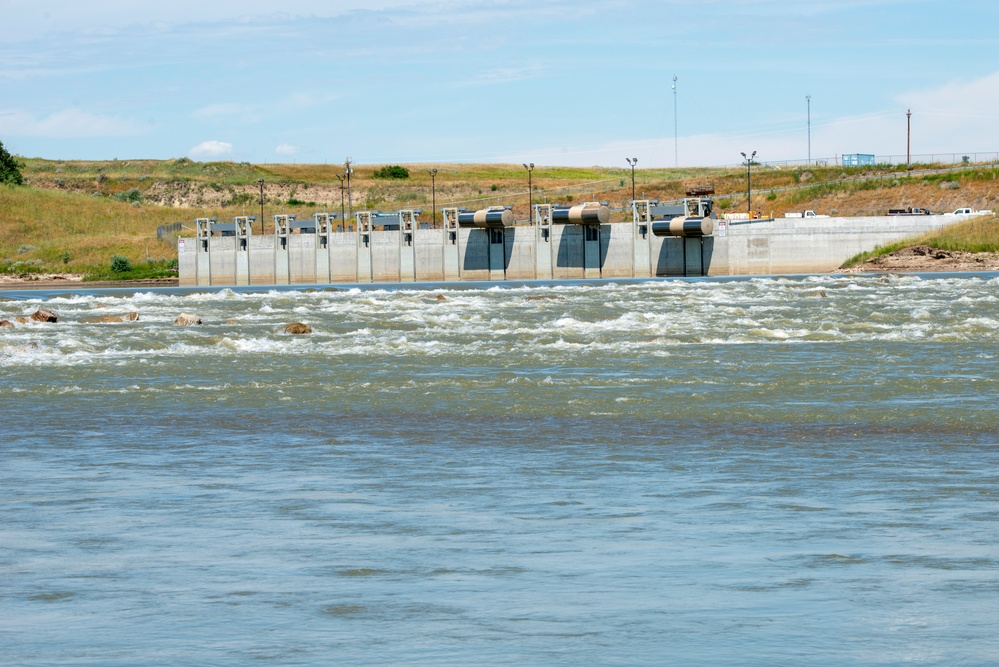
(699, 472)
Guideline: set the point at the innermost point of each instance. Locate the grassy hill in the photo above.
(73, 216)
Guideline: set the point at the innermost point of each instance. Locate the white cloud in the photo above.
(67, 124)
(211, 149)
(507, 75)
(216, 110)
(287, 149)
(27, 20)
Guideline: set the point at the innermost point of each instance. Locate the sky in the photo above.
(553, 82)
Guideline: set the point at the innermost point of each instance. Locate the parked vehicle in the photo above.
(912, 210)
(805, 214)
(971, 211)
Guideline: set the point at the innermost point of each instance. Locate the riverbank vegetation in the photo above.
(977, 235)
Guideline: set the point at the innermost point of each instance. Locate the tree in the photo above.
(10, 170)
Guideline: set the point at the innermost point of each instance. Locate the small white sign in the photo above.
(180, 245)
(722, 229)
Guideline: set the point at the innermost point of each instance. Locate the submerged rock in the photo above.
(108, 319)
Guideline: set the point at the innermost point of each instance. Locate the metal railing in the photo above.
(169, 233)
(971, 157)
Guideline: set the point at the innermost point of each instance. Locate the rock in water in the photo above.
(186, 320)
(298, 328)
(42, 315)
(107, 319)
(6, 324)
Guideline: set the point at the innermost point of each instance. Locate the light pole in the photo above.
(530, 191)
(632, 161)
(342, 178)
(350, 200)
(908, 137)
(676, 150)
(260, 182)
(433, 189)
(749, 181)
(808, 99)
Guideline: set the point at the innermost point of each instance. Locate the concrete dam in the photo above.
(560, 243)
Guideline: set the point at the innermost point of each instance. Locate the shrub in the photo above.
(133, 196)
(10, 169)
(120, 264)
(392, 171)
(243, 199)
(25, 266)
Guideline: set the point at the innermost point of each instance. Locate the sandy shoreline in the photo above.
(44, 281)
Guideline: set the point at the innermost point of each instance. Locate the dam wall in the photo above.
(816, 245)
(534, 252)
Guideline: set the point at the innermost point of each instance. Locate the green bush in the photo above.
(393, 171)
(10, 169)
(243, 199)
(133, 196)
(120, 264)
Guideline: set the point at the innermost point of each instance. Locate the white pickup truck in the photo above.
(971, 211)
(805, 214)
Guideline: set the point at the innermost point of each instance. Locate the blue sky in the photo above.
(554, 82)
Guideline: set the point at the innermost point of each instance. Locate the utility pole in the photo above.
(808, 98)
(908, 137)
(676, 149)
(342, 178)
